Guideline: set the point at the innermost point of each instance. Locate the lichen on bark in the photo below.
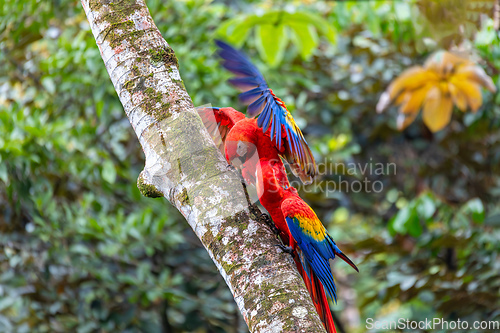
(165, 55)
(147, 190)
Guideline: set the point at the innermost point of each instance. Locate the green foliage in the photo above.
(427, 239)
(81, 250)
(273, 30)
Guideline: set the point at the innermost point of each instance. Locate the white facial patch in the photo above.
(242, 148)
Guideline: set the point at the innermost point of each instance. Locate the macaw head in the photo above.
(241, 151)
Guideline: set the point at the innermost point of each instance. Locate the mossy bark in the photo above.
(183, 165)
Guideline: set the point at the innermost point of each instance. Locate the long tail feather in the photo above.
(325, 312)
(317, 293)
(342, 256)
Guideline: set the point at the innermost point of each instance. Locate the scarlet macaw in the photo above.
(255, 146)
(252, 151)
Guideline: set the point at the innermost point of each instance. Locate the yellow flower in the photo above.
(444, 80)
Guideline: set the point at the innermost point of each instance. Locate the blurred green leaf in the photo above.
(108, 171)
(235, 30)
(398, 223)
(271, 36)
(413, 224)
(476, 209)
(426, 206)
(271, 41)
(306, 39)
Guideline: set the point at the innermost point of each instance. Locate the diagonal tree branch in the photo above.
(183, 165)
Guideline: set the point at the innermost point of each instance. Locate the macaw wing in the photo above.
(310, 235)
(248, 76)
(218, 122)
(303, 235)
(273, 116)
(313, 240)
(299, 157)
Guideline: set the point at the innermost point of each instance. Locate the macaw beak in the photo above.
(347, 260)
(237, 162)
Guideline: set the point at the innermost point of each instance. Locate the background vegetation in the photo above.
(82, 251)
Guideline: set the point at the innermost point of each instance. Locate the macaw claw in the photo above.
(286, 249)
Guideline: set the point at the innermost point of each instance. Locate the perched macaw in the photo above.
(254, 154)
(308, 238)
(255, 147)
(272, 135)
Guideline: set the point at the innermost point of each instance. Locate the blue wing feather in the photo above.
(256, 106)
(244, 83)
(317, 253)
(265, 119)
(324, 273)
(237, 62)
(276, 122)
(237, 70)
(250, 96)
(278, 135)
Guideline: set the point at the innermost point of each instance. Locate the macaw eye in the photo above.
(241, 149)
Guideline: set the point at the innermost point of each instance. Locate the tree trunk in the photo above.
(184, 166)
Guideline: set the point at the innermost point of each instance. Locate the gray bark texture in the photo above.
(184, 166)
